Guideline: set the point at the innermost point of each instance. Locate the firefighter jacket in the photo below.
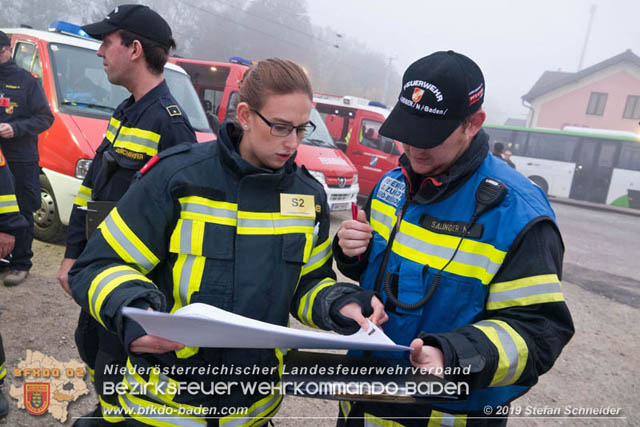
(136, 132)
(203, 225)
(496, 310)
(28, 112)
(10, 219)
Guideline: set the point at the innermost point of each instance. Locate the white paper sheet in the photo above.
(202, 325)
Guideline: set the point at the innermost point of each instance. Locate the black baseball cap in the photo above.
(4, 39)
(438, 92)
(136, 18)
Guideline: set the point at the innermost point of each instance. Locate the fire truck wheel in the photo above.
(48, 227)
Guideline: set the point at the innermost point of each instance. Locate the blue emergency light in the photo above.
(240, 60)
(68, 28)
(377, 104)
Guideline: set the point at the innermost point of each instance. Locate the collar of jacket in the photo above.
(229, 136)
(133, 109)
(6, 68)
(426, 189)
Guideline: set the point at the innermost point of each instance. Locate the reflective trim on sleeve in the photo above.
(83, 196)
(383, 218)
(306, 302)
(345, 408)
(105, 282)
(201, 209)
(3, 370)
(138, 140)
(473, 259)
(272, 223)
(526, 291)
(262, 410)
(442, 419)
(512, 351)
(156, 389)
(319, 257)
(126, 244)
(8, 204)
(109, 411)
(112, 129)
(373, 421)
(92, 372)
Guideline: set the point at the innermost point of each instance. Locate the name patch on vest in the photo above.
(452, 228)
(391, 191)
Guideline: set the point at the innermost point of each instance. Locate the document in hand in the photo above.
(202, 325)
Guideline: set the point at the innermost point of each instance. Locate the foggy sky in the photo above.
(513, 41)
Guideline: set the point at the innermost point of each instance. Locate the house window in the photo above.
(632, 108)
(597, 101)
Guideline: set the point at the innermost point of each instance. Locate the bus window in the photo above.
(512, 140)
(630, 156)
(551, 146)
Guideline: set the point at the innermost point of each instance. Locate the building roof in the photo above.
(552, 80)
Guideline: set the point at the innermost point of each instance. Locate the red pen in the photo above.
(354, 215)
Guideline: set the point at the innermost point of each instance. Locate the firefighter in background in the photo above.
(235, 224)
(11, 223)
(136, 43)
(464, 250)
(24, 113)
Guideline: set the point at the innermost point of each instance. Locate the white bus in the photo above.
(583, 165)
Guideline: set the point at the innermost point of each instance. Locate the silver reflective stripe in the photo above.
(236, 422)
(307, 298)
(185, 236)
(166, 418)
(208, 210)
(317, 257)
(510, 349)
(276, 223)
(8, 204)
(526, 291)
(185, 277)
(123, 137)
(447, 420)
(104, 282)
(137, 256)
(111, 128)
(382, 219)
(443, 252)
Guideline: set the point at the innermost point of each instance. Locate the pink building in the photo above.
(603, 96)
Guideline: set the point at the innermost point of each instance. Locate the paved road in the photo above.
(602, 251)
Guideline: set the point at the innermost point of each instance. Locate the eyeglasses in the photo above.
(282, 130)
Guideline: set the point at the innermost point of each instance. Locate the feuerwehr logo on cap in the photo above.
(419, 89)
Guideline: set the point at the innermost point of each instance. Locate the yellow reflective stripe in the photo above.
(3, 370)
(512, 351)
(126, 244)
(83, 196)
(138, 140)
(111, 410)
(262, 410)
(187, 237)
(373, 421)
(112, 129)
(107, 281)
(473, 259)
(272, 223)
(157, 382)
(526, 291)
(187, 277)
(319, 257)
(8, 204)
(442, 419)
(383, 218)
(91, 374)
(345, 408)
(305, 307)
(201, 209)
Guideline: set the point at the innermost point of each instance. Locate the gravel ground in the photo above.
(598, 369)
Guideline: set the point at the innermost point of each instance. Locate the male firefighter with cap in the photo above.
(11, 223)
(24, 113)
(136, 42)
(464, 251)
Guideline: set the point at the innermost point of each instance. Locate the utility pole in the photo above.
(586, 38)
(386, 79)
